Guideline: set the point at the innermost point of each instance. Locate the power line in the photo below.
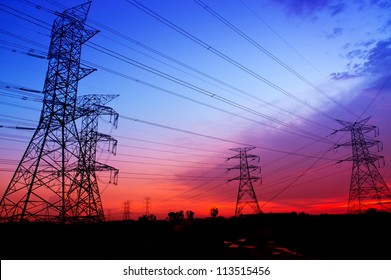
(24, 18)
(287, 153)
(206, 136)
(210, 94)
(300, 175)
(166, 144)
(268, 53)
(204, 92)
(137, 43)
(375, 97)
(225, 57)
(294, 49)
(198, 134)
(284, 168)
(269, 184)
(166, 159)
(171, 152)
(17, 127)
(19, 106)
(158, 164)
(215, 96)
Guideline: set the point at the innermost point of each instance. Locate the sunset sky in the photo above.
(198, 78)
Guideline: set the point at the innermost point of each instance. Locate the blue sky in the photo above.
(304, 65)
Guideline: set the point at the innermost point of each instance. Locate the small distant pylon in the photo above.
(126, 214)
(147, 201)
(368, 190)
(246, 194)
(108, 215)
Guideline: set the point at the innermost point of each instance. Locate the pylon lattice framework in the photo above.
(83, 198)
(126, 213)
(55, 179)
(246, 194)
(367, 187)
(147, 201)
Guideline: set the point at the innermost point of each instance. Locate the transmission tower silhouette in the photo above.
(368, 190)
(126, 212)
(108, 215)
(55, 179)
(246, 194)
(83, 198)
(147, 201)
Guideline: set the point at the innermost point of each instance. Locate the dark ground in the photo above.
(264, 236)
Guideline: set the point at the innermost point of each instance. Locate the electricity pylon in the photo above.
(368, 190)
(47, 184)
(83, 198)
(126, 213)
(246, 194)
(147, 201)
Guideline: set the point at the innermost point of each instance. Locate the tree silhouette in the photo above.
(190, 215)
(214, 212)
(171, 216)
(150, 217)
(180, 215)
(175, 216)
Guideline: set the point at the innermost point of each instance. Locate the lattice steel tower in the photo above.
(126, 213)
(55, 179)
(83, 198)
(147, 201)
(367, 187)
(246, 194)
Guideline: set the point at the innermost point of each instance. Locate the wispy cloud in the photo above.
(342, 75)
(303, 7)
(337, 8)
(366, 43)
(357, 53)
(383, 4)
(374, 62)
(307, 8)
(363, 4)
(379, 59)
(337, 31)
